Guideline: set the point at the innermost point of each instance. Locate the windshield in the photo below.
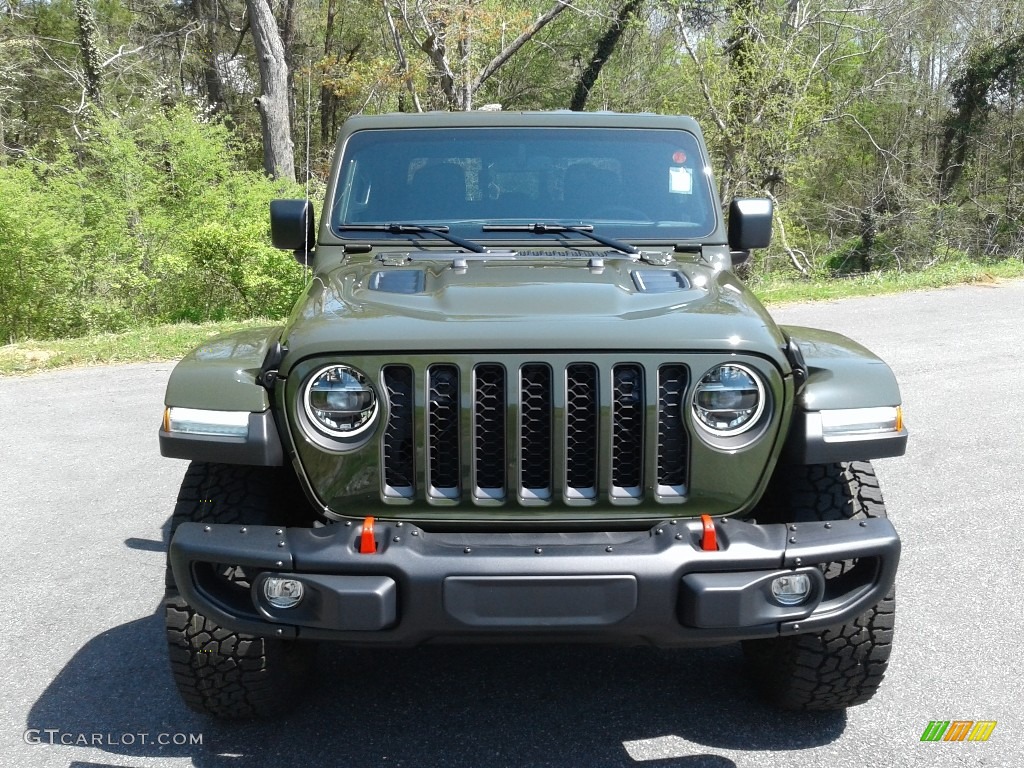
(637, 184)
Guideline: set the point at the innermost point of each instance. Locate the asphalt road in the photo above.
(84, 504)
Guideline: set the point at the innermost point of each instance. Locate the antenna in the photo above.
(309, 119)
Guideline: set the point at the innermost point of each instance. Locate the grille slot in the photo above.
(443, 431)
(582, 413)
(673, 442)
(489, 431)
(535, 431)
(627, 431)
(399, 461)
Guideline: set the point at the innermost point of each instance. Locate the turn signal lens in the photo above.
(861, 421)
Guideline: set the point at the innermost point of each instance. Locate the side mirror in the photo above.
(293, 228)
(750, 226)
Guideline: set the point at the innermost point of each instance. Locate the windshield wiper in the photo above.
(587, 230)
(402, 229)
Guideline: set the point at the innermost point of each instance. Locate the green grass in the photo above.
(162, 342)
(170, 342)
(785, 290)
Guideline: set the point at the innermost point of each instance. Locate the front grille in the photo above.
(535, 433)
(627, 430)
(443, 432)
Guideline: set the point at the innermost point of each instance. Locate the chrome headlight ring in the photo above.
(340, 402)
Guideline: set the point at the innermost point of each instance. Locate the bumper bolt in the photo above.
(799, 560)
(609, 549)
(279, 531)
(348, 523)
(659, 531)
(863, 524)
(280, 543)
(828, 525)
(792, 539)
(280, 564)
(679, 537)
(538, 551)
(396, 539)
(415, 533)
(207, 528)
(792, 527)
(671, 522)
(243, 530)
(280, 631)
(399, 525)
(467, 550)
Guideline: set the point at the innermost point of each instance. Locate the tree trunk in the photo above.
(605, 47)
(278, 151)
(328, 101)
(87, 44)
(214, 83)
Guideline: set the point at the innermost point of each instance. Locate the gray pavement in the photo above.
(84, 504)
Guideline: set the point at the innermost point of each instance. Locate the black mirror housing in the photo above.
(293, 227)
(750, 223)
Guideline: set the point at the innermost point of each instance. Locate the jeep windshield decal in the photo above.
(632, 184)
(554, 229)
(403, 229)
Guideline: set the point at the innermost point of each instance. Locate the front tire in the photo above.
(218, 671)
(841, 666)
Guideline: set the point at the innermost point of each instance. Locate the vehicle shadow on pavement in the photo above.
(440, 706)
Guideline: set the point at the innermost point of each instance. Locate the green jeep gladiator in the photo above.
(525, 398)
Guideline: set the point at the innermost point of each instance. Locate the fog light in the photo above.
(791, 589)
(282, 593)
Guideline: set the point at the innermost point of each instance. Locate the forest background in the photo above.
(141, 140)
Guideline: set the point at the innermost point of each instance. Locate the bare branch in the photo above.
(519, 42)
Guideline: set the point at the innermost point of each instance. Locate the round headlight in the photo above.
(341, 401)
(728, 400)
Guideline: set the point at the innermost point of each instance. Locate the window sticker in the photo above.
(680, 181)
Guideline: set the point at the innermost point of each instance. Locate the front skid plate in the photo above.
(656, 586)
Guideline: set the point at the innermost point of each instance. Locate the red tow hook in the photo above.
(367, 544)
(709, 540)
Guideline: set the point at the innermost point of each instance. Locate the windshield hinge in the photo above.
(268, 371)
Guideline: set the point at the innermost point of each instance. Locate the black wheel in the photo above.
(842, 666)
(218, 671)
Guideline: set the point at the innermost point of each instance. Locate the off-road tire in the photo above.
(842, 666)
(218, 671)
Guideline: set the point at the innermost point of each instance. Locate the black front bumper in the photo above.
(655, 586)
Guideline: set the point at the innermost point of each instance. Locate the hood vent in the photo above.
(404, 281)
(659, 281)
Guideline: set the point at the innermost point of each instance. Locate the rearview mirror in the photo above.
(293, 228)
(750, 226)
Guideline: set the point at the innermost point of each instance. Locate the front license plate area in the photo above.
(540, 602)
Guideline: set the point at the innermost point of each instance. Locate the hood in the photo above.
(585, 301)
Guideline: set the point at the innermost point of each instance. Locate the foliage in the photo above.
(890, 135)
(147, 219)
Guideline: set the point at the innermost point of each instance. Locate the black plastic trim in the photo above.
(807, 444)
(262, 447)
(509, 586)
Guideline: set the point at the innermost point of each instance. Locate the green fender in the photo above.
(841, 374)
(220, 375)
